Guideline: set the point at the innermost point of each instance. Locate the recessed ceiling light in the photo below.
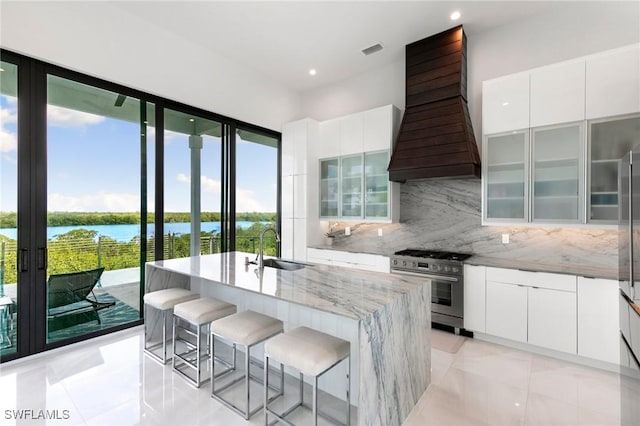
(312, 71)
(192, 120)
(505, 103)
(1, 69)
(455, 15)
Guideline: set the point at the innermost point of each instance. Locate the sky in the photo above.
(93, 165)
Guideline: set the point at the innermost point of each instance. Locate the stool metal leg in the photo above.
(348, 391)
(315, 401)
(266, 389)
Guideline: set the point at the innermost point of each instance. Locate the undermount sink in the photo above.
(283, 264)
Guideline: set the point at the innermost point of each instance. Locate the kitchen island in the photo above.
(385, 317)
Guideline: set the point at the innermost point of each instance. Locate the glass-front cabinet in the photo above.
(376, 185)
(506, 170)
(557, 173)
(609, 140)
(355, 187)
(351, 167)
(329, 187)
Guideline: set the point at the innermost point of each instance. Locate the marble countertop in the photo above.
(342, 291)
(580, 270)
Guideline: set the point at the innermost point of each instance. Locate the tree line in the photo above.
(10, 220)
(81, 249)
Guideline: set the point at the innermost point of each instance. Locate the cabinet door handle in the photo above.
(23, 261)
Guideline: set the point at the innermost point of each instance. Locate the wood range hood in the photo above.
(436, 139)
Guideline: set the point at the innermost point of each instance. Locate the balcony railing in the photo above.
(69, 255)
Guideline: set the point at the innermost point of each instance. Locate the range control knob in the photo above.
(446, 268)
(404, 263)
(455, 269)
(395, 261)
(414, 264)
(436, 267)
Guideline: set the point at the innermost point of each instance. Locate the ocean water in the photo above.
(124, 233)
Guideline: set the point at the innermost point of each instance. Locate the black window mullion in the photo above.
(232, 187)
(159, 189)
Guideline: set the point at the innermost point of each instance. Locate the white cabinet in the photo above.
(298, 138)
(598, 319)
(613, 82)
(507, 311)
(505, 104)
(474, 298)
(378, 128)
(328, 139)
(557, 93)
(552, 319)
(351, 134)
(364, 261)
(533, 307)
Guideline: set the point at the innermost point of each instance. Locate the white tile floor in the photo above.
(109, 382)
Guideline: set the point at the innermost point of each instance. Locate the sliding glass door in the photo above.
(96, 179)
(9, 297)
(96, 154)
(192, 184)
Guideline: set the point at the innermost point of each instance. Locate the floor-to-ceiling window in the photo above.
(9, 297)
(256, 191)
(96, 140)
(107, 178)
(192, 207)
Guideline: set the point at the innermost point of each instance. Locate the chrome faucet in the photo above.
(260, 251)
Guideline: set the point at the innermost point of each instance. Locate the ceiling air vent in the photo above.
(372, 49)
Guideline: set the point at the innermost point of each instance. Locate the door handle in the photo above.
(42, 258)
(23, 261)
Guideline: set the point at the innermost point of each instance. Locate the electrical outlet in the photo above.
(379, 232)
(347, 230)
(505, 238)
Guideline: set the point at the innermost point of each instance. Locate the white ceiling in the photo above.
(283, 40)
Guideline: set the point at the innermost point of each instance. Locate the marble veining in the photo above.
(391, 347)
(341, 291)
(446, 215)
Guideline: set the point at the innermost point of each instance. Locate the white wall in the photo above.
(99, 39)
(382, 86)
(574, 29)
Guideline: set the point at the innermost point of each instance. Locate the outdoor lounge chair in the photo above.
(71, 296)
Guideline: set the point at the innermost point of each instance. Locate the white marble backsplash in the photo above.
(446, 215)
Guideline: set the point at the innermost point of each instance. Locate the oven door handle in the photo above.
(427, 276)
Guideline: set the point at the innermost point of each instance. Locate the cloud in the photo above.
(8, 115)
(245, 198)
(8, 141)
(100, 202)
(63, 117)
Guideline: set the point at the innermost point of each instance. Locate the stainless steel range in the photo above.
(445, 270)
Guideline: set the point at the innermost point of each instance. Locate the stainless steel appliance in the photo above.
(445, 270)
(629, 279)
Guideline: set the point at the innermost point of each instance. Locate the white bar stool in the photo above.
(164, 301)
(312, 353)
(196, 313)
(247, 329)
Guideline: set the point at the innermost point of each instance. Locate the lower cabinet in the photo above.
(475, 298)
(364, 261)
(507, 311)
(552, 319)
(598, 319)
(532, 307)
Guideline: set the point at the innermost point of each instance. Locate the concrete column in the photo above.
(195, 144)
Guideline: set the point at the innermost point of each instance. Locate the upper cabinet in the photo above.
(557, 94)
(553, 137)
(613, 82)
(505, 104)
(353, 155)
